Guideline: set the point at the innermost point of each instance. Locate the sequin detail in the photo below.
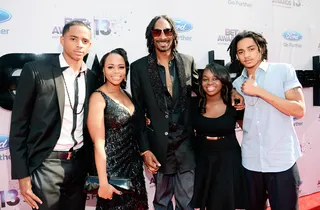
(123, 158)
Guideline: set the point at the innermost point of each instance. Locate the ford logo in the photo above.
(292, 35)
(182, 25)
(4, 142)
(4, 16)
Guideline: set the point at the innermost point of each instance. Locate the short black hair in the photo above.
(123, 54)
(67, 26)
(222, 74)
(257, 38)
(149, 37)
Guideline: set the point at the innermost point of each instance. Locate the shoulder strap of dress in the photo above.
(105, 96)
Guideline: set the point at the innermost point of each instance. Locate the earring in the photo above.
(104, 77)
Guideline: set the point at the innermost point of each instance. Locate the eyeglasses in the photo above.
(157, 32)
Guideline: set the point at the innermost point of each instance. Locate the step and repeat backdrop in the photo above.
(32, 28)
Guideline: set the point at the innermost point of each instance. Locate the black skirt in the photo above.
(219, 176)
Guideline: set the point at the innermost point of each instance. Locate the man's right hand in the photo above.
(26, 191)
(151, 162)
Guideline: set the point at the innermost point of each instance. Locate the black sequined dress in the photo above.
(123, 158)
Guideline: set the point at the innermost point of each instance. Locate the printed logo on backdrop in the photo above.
(100, 27)
(4, 145)
(305, 147)
(318, 183)
(287, 3)
(240, 3)
(183, 27)
(4, 17)
(227, 36)
(292, 38)
(9, 198)
(319, 46)
(4, 142)
(297, 122)
(91, 200)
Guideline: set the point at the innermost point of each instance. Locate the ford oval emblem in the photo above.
(4, 142)
(182, 25)
(4, 16)
(292, 35)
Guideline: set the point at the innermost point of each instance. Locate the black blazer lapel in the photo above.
(58, 80)
(180, 103)
(156, 83)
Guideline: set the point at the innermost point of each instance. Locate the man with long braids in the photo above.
(270, 147)
(161, 89)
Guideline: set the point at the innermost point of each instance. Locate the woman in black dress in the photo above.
(219, 181)
(110, 123)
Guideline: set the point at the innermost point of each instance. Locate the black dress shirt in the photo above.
(177, 133)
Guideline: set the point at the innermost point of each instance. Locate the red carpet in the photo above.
(309, 202)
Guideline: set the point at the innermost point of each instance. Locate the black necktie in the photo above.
(75, 108)
(76, 94)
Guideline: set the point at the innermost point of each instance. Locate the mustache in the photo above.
(163, 41)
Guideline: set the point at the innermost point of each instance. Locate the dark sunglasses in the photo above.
(157, 32)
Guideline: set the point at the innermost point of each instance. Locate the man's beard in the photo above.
(164, 49)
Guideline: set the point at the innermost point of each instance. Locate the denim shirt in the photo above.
(269, 143)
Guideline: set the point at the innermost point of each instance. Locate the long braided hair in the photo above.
(257, 38)
(150, 43)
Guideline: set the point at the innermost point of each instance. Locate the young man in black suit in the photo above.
(47, 136)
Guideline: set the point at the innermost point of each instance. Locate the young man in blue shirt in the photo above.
(270, 147)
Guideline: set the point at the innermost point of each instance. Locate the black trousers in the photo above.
(281, 188)
(179, 185)
(59, 183)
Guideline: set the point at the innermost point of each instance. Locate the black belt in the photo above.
(64, 155)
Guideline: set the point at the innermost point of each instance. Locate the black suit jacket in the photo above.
(37, 114)
(148, 98)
